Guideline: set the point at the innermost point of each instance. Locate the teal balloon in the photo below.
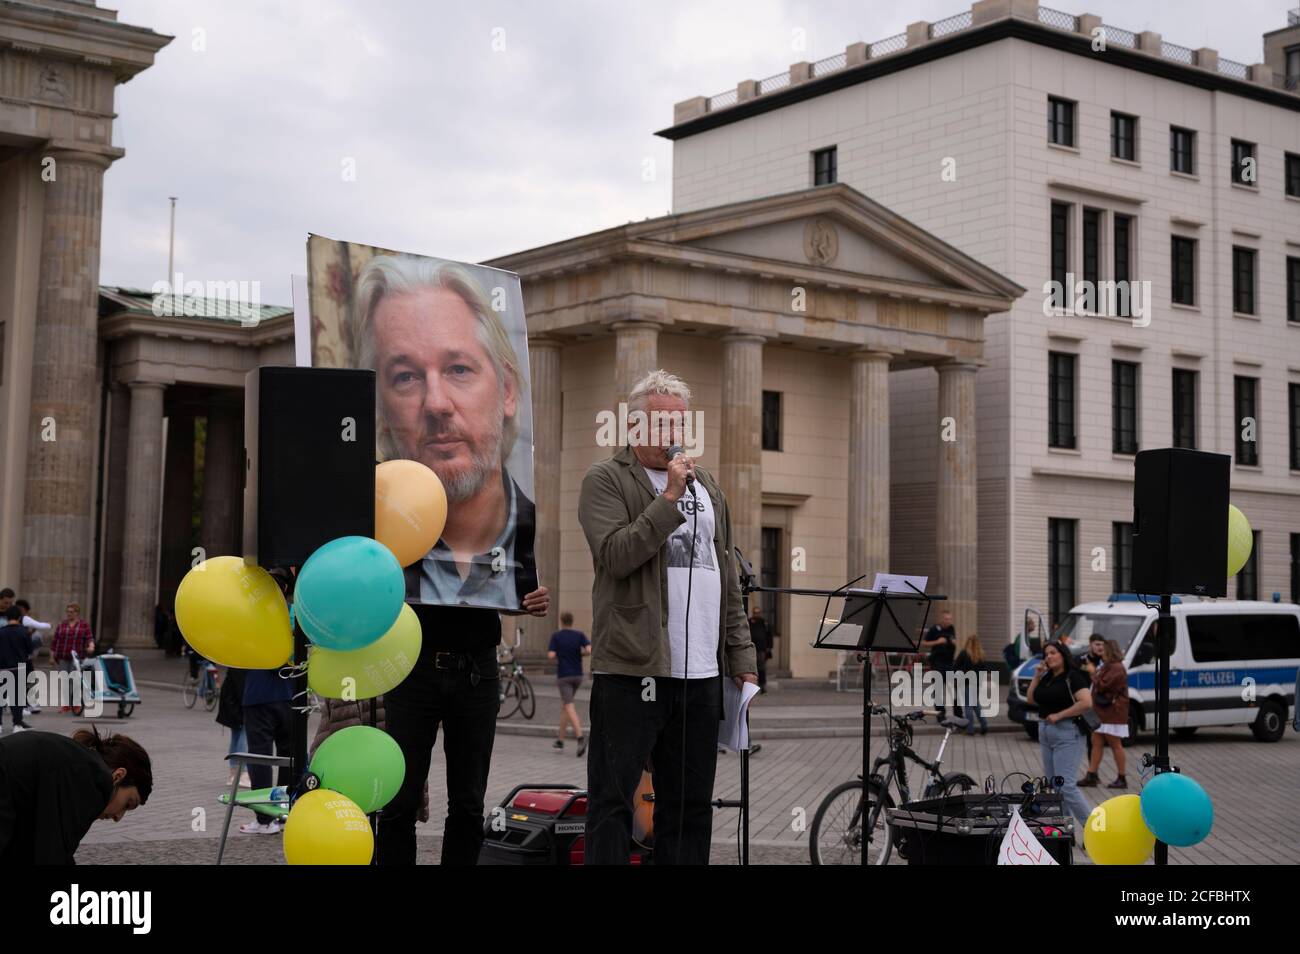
(348, 593)
(1177, 810)
(363, 763)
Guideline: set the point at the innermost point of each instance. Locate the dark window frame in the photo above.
(1062, 380)
(1059, 250)
(1185, 384)
(1062, 568)
(1121, 542)
(1123, 136)
(1293, 415)
(1291, 174)
(772, 433)
(1091, 251)
(1061, 114)
(1182, 280)
(825, 164)
(1122, 262)
(1244, 264)
(1182, 150)
(1248, 575)
(1293, 288)
(1295, 568)
(1241, 150)
(1125, 383)
(1245, 403)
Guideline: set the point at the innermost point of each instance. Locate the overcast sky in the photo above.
(474, 129)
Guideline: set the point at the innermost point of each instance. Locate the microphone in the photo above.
(673, 451)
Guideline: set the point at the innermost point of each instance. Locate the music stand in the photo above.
(868, 620)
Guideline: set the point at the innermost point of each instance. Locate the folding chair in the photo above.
(258, 800)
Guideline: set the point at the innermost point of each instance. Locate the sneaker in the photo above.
(582, 745)
(21, 727)
(257, 828)
(558, 745)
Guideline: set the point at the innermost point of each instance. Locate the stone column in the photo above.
(868, 531)
(636, 354)
(64, 426)
(143, 500)
(955, 498)
(548, 428)
(178, 506)
(119, 451)
(222, 458)
(741, 453)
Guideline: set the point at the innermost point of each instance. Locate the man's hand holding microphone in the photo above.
(681, 473)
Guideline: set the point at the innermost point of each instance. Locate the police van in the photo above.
(1234, 662)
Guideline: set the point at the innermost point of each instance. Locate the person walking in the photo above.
(1061, 694)
(567, 647)
(970, 663)
(15, 651)
(1110, 700)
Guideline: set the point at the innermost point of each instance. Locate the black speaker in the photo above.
(1180, 522)
(309, 460)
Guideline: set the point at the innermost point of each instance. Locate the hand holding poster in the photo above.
(449, 347)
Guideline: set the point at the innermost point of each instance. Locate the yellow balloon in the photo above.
(1240, 540)
(326, 828)
(372, 670)
(233, 613)
(410, 508)
(1115, 833)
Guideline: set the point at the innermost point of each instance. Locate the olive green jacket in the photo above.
(627, 526)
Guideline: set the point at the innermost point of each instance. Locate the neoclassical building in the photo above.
(60, 64)
(787, 314)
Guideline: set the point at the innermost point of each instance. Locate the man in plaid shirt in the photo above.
(71, 636)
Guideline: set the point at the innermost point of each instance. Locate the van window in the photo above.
(1081, 627)
(1220, 638)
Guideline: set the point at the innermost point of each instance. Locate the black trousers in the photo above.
(629, 725)
(459, 692)
(268, 728)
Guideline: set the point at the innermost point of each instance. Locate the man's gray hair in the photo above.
(386, 275)
(658, 382)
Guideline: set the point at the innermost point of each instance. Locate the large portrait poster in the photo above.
(449, 348)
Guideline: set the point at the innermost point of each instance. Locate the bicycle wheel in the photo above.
(837, 829)
(189, 692)
(527, 698)
(509, 698)
(210, 698)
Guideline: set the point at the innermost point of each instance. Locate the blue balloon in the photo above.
(348, 593)
(1177, 810)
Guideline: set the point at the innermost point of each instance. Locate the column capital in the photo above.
(959, 364)
(873, 354)
(745, 336)
(635, 324)
(142, 385)
(544, 341)
(84, 153)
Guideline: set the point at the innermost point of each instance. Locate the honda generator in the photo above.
(540, 825)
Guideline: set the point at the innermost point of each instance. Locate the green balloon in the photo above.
(1240, 540)
(371, 670)
(363, 763)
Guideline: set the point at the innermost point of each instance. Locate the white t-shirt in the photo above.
(705, 583)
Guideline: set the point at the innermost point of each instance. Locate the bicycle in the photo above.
(836, 836)
(203, 686)
(516, 692)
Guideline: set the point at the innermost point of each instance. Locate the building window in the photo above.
(1123, 136)
(1092, 247)
(1243, 162)
(1184, 408)
(1182, 150)
(1060, 399)
(1295, 568)
(1183, 280)
(772, 420)
(1293, 67)
(1292, 168)
(1293, 410)
(1293, 289)
(769, 573)
(1060, 121)
(1123, 264)
(1248, 576)
(1245, 391)
(1060, 568)
(824, 166)
(1121, 535)
(1243, 280)
(1060, 250)
(1124, 410)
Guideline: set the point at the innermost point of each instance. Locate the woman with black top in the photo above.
(1061, 693)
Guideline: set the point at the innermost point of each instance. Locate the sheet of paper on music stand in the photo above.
(301, 321)
(898, 583)
(733, 730)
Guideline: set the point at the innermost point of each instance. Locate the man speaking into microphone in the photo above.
(668, 627)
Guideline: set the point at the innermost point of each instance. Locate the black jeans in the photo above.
(458, 691)
(267, 725)
(626, 729)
